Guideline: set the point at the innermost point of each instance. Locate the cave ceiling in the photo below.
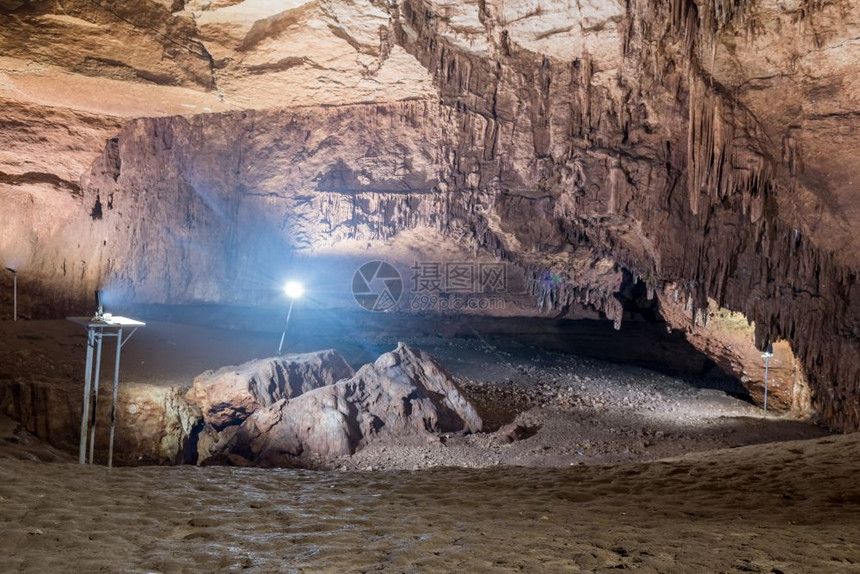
(705, 148)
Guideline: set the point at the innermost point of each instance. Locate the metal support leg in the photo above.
(766, 365)
(15, 297)
(98, 368)
(113, 405)
(87, 380)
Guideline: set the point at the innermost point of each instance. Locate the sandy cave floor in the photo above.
(782, 507)
(702, 506)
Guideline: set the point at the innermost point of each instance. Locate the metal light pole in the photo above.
(14, 293)
(766, 355)
(294, 290)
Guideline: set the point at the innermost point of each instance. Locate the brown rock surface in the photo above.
(18, 444)
(154, 423)
(404, 394)
(231, 394)
(729, 339)
(700, 143)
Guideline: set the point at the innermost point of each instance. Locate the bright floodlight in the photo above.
(294, 289)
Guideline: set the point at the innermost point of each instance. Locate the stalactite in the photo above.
(733, 247)
(719, 162)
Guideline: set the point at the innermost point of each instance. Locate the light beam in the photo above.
(293, 290)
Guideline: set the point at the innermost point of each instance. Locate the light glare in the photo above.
(294, 289)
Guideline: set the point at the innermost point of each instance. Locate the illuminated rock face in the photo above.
(729, 339)
(707, 145)
(231, 394)
(155, 425)
(403, 394)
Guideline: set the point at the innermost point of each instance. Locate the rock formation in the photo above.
(277, 411)
(404, 393)
(231, 394)
(729, 339)
(155, 425)
(700, 144)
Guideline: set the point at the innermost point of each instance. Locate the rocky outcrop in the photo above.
(155, 425)
(729, 339)
(404, 393)
(278, 411)
(231, 394)
(18, 444)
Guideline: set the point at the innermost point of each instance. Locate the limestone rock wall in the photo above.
(591, 144)
(729, 339)
(704, 210)
(155, 425)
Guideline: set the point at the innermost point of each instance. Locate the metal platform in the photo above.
(97, 330)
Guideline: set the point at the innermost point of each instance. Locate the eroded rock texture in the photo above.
(705, 144)
(729, 339)
(155, 425)
(403, 394)
(231, 394)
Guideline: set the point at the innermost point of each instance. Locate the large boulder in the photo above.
(231, 394)
(405, 392)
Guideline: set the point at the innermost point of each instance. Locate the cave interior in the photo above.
(586, 233)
